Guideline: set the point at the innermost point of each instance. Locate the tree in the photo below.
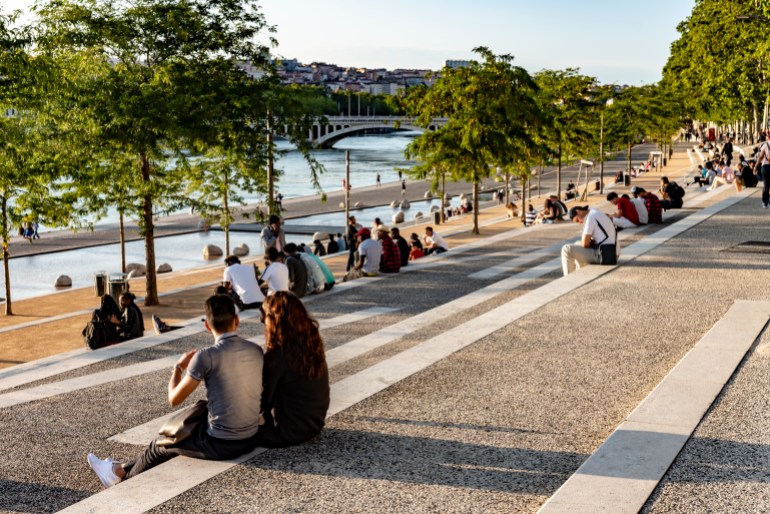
(565, 100)
(161, 72)
(489, 107)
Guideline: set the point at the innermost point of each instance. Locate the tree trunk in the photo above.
(443, 197)
(151, 293)
(558, 176)
(122, 243)
(507, 187)
(6, 269)
(629, 156)
(476, 207)
(271, 208)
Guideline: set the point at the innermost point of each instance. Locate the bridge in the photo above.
(339, 127)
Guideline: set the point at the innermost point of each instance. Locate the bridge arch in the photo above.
(328, 138)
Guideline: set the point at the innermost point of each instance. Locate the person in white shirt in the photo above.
(597, 230)
(369, 253)
(434, 243)
(641, 210)
(241, 279)
(276, 276)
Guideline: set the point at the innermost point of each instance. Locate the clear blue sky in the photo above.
(618, 41)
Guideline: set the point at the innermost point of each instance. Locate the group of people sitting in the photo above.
(273, 398)
(382, 250)
(717, 173)
(112, 323)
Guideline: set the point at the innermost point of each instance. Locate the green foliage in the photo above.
(491, 112)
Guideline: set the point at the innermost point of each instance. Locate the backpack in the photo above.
(95, 334)
(678, 190)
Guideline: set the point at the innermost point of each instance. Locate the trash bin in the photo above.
(436, 217)
(626, 179)
(118, 285)
(100, 283)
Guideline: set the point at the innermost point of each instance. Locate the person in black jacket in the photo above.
(131, 322)
(403, 246)
(295, 386)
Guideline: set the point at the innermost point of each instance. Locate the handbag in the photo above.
(607, 253)
(181, 424)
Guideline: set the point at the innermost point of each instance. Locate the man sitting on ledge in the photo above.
(232, 370)
(597, 230)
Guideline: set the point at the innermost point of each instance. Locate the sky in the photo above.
(617, 41)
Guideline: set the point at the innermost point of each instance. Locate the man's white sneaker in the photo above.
(103, 469)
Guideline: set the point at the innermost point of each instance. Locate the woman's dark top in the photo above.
(294, 407)
(131, 323)
(403, 248)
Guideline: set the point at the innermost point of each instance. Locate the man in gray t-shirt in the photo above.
(232, 371)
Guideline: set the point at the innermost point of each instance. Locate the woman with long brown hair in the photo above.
(295, 394)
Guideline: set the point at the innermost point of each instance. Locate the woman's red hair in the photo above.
(296, 333)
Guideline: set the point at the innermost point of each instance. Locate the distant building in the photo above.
(454, 64)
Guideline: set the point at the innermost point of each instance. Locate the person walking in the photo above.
(763, 165)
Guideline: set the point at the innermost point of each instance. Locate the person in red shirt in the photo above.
(626, 216)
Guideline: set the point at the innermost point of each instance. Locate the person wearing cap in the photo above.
(434, 243)
(597, 230)
(390, 262)
(272, 235)
(241, 283)
(276, 276)
(651, 202)
(626, 215)
(369, 254)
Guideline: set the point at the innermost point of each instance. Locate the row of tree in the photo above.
(142, 106)
(502, 118)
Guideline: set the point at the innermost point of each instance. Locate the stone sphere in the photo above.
(241, 250)
(211, 252)
(63, 281)
(428, 195)
(418, 215)
(397, 217)
(405, 204)
(138, 270)
(165, 268)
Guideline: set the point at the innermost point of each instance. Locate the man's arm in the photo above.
(181, 384)
(587, 240)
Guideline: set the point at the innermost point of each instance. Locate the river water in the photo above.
(370, 155)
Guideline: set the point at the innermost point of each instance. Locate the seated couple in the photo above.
(272, 399)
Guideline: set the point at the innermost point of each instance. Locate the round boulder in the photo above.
(433, 208)
(394, 204)
(418, 215)
(342, 205)
(138, 270)
(204, 225)
(211, 252)
(165, 268)
(397, 217)
(359, 205)
(428, 195)
(405, 204)
(242, 250)
(63, 281)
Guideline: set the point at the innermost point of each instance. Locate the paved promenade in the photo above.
(478, 381)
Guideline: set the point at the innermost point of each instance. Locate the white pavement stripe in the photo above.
(93, 380)
(355, 316)
(529, 255)
(172, 478)
(625, 470)
(103, 377)
(79, 359)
